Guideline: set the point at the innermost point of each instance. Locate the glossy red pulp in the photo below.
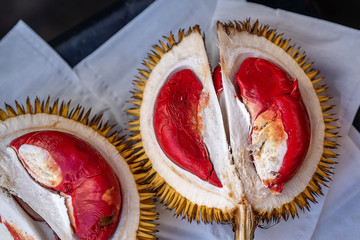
(266, 87)
(218, 84)
(178, 126)
(86, 177)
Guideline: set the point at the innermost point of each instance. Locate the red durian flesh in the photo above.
(84, 176)
(178, 126)
(271, 95)
(218, 84)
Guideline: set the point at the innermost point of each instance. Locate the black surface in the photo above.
(48, 18)
(345, 12)
(77, 43)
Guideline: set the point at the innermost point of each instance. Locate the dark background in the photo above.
(86, 24)
(75, 28)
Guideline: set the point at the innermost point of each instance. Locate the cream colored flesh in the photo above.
(268, 144)
(234, 49)
(50, 205)
(40, 165)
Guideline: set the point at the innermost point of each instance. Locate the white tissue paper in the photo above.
(102, 81)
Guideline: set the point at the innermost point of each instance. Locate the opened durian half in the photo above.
(249, 144)
(66, 175)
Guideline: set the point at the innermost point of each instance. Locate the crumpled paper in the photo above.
(102, 81)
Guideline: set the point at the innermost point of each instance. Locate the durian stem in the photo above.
(244, 225)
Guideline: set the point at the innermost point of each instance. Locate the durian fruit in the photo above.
(77, 173)
(215, 153)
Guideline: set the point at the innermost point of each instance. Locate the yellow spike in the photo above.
(134, 128)
(134, 122)
(10, 110)
(290, 49)
(180, 206)
(326, 160)
(3, 115)
(301, 64)
(159, 50)
(295, 53)
(136, 102)
(47, 104)
(312, 74)
(174, 201)
(307, 66)
(328, 153)
(65, 109)
(255, 27)
(300, 58)
(146, 225)
(209, 213)
(328, 120)
(148, 65)
(278, 39)
(317, 80)
(326, 108)
(145, 196)
(142, 235)
(330, 127)
(154, 56)
(20, 109)
(285, 44)
(140, 80)
(332, 135)
(28, 106)
(323, 98)
(164, 46)
(37, 108)
(320, 90)
(54, 108)
(144, 73)
(134, 111)
(329, 144)
(85, 119)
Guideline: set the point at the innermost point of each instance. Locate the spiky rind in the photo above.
(324, 169)
(146, 228)
(168, 195)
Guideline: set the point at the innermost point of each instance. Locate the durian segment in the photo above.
(193, 197)
(137, 200)
(13, 216)
(238, 41)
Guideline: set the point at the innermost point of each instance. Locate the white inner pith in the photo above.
(40, 165)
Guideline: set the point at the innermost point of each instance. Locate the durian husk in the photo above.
(187, 209)
(146, 227)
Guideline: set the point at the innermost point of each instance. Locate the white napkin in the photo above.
(29, 67)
